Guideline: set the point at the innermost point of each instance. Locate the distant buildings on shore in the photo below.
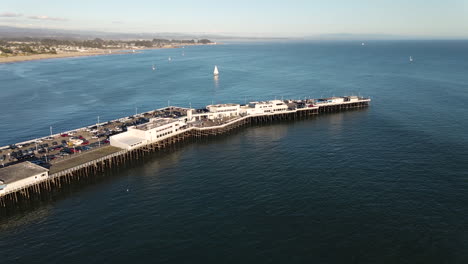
(55, 46)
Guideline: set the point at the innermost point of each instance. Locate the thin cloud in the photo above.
(117, 22)
(10, 14)
(47, 18)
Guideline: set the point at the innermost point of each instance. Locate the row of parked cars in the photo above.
(45, 151)
(50, 148)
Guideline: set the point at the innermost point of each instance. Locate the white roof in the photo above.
(130, 140)
(156, 122)
(20, 171)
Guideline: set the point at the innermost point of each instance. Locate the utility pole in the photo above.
(97, 126)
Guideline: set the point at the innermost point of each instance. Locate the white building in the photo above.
(266, 107)
(21, 174)
(223, 110)
(156, 129)
(337, 100)
(351, 98)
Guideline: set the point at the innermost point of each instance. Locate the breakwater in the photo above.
(45, 188)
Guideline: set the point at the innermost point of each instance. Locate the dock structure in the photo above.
(157, 133)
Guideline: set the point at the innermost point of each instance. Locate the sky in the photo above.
(259, 18)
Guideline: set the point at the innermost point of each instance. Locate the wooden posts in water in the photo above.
(88, 172)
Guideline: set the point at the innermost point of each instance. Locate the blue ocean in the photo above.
(385, 184)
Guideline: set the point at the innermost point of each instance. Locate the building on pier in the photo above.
(337, 100)
(156, 129)
(223, 110)
(264, 107)
(21, 174)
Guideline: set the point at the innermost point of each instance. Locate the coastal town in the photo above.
(12, 50)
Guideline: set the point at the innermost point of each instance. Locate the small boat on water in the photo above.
(363, 44)
(154, 67)
(169, 59)
(216, 72)
(410, 58)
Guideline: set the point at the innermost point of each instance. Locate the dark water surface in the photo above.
(387, 184)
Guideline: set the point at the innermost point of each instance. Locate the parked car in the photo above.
(74, 150)
(38, 162)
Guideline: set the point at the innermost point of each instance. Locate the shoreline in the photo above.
(17, 59)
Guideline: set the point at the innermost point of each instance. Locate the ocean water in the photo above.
(386, 184)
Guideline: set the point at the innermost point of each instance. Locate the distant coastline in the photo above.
(24, 58)
(102, 52)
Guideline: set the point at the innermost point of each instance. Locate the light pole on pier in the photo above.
(97, 127)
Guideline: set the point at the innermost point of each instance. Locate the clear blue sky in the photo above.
(295, 18)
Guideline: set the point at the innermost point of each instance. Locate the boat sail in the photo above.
(410, 58)
(216, 72)
(154, 67)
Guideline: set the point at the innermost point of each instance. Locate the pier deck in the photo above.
(84, 164)
(78, 159)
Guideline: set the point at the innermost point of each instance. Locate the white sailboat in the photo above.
(154, 67)
(410, 58)
(363, 44)
(216, 72)
(169, 59)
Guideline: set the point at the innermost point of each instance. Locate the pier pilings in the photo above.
(90, 171)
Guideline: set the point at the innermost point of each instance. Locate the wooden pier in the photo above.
(86, 172)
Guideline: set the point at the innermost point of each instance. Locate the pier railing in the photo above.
(65, 172)
(188, 129)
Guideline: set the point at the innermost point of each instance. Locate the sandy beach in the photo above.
(13, 59)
